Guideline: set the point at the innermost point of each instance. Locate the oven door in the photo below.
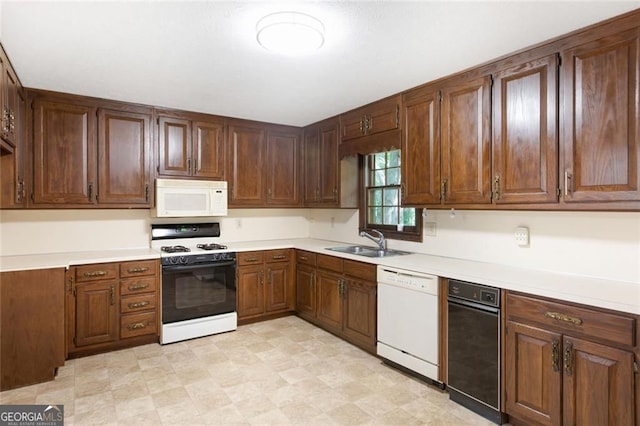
(197, 291)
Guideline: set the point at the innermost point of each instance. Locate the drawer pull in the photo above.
(95, 274)
(555, 355)
(138, 304)
(568, 358)
(133, 287)
(137, 326)
(304, 258)
(251, 259)
(562, 317)
(279, 257)
(137, 270)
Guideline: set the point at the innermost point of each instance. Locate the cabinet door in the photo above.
(250, 290)
(329, 300)
(97, 312)
(377, 117)
(533, 373)
(32, 325)
(124, 157)
(174, 141)
(208, 149)
(360, 306)
(64, 153)
(306, 291)
(598, 385)
(282, 174)
(247, 163)
(525, 137)
(600, 136)
(466, 141)
(12, 167)
(311, 165)
(278, 287)
(11, 103)
(329, 164)
(421, 147)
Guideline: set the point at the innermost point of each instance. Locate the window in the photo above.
(382, 199)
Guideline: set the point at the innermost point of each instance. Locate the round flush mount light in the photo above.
(290, 33)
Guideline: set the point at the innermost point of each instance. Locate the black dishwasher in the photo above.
(473, 355)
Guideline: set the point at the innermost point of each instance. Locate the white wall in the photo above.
(50, 231)
(603, 245)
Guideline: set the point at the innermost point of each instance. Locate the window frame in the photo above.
(410, 233)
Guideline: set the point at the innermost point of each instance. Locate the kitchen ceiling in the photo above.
(203, 55)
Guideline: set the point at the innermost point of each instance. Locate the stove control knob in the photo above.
(183, 260)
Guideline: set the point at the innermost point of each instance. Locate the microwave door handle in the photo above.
(197, 266)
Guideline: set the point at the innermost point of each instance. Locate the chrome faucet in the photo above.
(380, 241)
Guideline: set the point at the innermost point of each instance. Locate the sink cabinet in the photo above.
(265, 286)
(568, 364)
(112, 305)
(338, 295)
(32, 326)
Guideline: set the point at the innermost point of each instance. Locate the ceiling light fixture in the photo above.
(290, 33)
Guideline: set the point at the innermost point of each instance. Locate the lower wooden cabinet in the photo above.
(265, 284)
(338, 295)
(112, 305)
(31, 326)
(569, 365)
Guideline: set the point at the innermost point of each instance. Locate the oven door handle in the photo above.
(197, 266)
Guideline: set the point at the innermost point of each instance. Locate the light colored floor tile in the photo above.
(280, 372)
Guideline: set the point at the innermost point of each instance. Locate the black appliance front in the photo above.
(197, 291)
(473, 359)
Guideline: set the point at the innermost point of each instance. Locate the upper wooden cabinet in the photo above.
(263, 164)
(64, 153)
(525, 137)
(600, 119)
(86, 153)
(13, 146)
(377, 117)
(191, 145)
(11, 102)
(421, 146)
(321, 164)
(124, 157)
(466, 140)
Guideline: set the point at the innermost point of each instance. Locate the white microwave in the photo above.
(189, 198)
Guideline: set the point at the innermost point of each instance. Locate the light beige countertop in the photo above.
(64, 260)
(605, 293)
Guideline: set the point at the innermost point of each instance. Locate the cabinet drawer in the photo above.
(572, 320)
(250, 258)
(138, 268)
(361, 270)
(283, 255)
(142, 302)
(331, 263)
(306, 257)
(95, 272)
(132, 325)
(140, 285)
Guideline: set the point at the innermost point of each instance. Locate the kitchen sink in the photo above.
(368, 251)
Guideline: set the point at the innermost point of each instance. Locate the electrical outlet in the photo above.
(522, 236)
(430, 229)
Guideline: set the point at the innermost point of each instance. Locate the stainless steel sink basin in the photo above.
(368, 251)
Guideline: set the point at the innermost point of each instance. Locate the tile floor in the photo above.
(280, 372)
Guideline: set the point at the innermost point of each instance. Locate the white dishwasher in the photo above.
(408, 320)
